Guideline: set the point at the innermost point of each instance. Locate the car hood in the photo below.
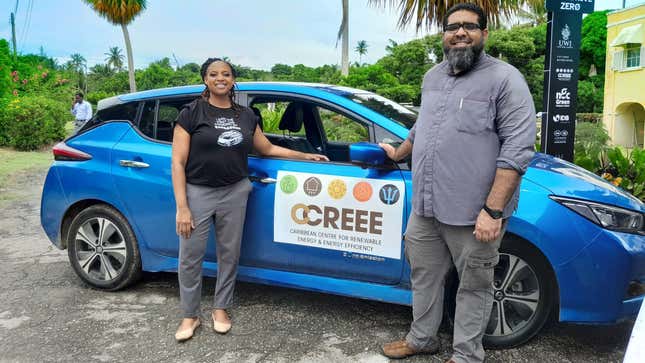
(569, 180)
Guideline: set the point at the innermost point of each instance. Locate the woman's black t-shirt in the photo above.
(220, 142)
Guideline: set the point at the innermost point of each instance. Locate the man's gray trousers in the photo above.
(431, 247)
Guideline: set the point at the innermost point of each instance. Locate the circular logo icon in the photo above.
(337, 189)
(362, 191)
(288, 184)
(389, 194)
(312, 186)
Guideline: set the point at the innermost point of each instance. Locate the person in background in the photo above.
(471, 144)
(82, 111)
(212, 139)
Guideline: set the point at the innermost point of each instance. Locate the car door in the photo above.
(142, 173)
(326, 218)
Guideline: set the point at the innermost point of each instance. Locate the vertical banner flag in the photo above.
(561, 76)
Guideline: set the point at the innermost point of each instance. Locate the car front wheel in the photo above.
(524, 293)
(103, 249)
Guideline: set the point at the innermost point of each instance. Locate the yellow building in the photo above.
(624, 113)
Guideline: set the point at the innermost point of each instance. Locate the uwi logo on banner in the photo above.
(566, 41)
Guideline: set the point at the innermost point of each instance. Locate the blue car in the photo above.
(574, 249)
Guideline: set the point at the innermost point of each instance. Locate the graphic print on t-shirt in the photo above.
(232, 136)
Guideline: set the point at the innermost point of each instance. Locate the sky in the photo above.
(254, 33)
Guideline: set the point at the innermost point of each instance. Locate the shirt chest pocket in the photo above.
(474, 116)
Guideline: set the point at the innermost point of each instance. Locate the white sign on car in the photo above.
(350, 214)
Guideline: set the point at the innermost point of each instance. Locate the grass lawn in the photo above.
(12, 161)
(16, 164)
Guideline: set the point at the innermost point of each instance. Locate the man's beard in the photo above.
(462, 60)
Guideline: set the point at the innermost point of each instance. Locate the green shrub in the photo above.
(590, 146)
(271, 117)
(34, 121)
(339, 128)
(5, 69)
(95, 97)
(627, 170)
(588, 117)
(4, 102)
(401, 93)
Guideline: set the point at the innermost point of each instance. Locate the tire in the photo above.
(526, 298)
(111, 265)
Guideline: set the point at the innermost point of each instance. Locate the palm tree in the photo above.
(343, 36)
(121, 12)
(432, 12)
(535, 14)
(391, 45)
(361, 49)
(101, 70)
(114, 58)
(77, 64)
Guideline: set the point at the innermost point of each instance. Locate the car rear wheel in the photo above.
(103, 249)
(524, 292)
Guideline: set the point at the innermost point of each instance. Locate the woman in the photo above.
(212, 139)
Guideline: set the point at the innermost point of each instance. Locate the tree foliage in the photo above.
(397, 75)
(428, 13)
(361, 49)
(114, 58)
(408, 62)
(593, 46)
(122, 13)
(5, 70)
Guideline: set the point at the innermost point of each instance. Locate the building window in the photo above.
(633, 56)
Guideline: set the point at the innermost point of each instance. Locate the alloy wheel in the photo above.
(516, 296)
(100, 249)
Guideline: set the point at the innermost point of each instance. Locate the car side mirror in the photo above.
(366, 154)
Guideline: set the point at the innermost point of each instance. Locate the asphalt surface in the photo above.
(48, 315)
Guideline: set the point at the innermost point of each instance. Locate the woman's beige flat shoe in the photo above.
(185, 334)
(220, 328)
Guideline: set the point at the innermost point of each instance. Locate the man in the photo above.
(82, 110)
(471, 144)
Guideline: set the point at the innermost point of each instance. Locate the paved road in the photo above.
(47, 314)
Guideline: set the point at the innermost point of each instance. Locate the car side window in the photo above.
(340, 128)
(384, 136)
(127, 111)
(166, 117)
(274, 114)
(304, 125)
(158, 122)
(147, 122)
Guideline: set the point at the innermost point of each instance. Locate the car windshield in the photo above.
(385, 107)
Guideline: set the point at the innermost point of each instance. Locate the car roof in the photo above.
(242, 86)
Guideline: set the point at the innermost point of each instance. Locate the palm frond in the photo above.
(428, 13)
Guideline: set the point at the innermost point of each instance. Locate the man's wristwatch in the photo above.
(494, 213)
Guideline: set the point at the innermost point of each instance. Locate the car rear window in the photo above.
(126, 111)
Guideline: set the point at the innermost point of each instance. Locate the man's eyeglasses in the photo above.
(454, 27)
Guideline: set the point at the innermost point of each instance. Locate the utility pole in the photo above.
(13, 31)
(13, 35)
(176, 61)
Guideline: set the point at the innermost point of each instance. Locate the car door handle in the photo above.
(266, 180)
(133, 164)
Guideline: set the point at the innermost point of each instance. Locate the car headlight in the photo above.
(606, 216)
